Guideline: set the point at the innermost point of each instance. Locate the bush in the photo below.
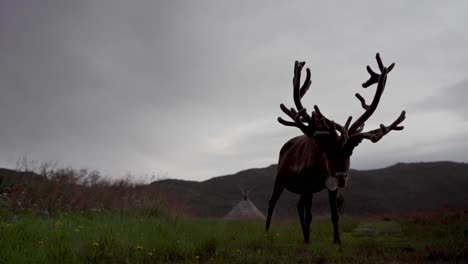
(52, 190)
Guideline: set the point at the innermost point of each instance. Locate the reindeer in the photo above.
(320, 158)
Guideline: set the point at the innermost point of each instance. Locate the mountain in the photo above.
(401, 188)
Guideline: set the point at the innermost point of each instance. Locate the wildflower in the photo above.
(58, 224)
(96, 244)
(5, 226)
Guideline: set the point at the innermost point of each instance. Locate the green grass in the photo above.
(114, 238)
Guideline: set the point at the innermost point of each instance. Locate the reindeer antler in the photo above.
(317, 124)
(308, 124)
(356, 128)
(298, 115)
(376, 134)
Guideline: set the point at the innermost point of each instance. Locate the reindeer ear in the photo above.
(351, 144)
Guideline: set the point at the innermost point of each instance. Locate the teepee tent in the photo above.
(244, 209)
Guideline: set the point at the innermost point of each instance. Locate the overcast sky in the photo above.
(191, 89)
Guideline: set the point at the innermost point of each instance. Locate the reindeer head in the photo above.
(335, 140)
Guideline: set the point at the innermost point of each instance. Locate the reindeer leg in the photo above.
(300, 211)
(277, 190)
(308, 216)
(334, 216)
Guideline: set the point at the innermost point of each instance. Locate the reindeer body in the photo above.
(320, 158)
(304, 169)
(302, 166)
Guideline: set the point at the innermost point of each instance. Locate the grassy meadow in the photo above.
(70, 216)
(122, 238)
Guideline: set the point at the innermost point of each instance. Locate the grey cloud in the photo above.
(451, 99)
(446, 149)
(193, 88)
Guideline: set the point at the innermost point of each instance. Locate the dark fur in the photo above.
(303, 169)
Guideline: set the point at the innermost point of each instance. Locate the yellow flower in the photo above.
(58, 224)
(96, 244)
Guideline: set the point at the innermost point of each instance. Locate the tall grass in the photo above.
(119, 238)
(49, 190)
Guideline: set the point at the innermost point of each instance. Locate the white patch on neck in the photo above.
(331, 183)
